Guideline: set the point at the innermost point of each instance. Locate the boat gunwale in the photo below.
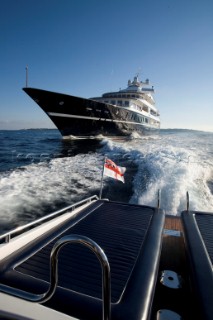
(7, 235)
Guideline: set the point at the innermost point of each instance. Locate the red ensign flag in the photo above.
(114, 171)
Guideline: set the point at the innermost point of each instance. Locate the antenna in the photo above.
(26, 76)
(139, 72)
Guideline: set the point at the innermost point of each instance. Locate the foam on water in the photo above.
(174, 164)
(174, 167)
(30, 188)
(174, 174)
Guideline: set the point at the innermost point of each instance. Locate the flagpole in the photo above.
(102, 178)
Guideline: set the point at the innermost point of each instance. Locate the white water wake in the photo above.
(174, 168)
(28, 189)
(172, 165)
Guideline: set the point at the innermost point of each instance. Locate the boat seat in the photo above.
(198, 234)
(131, 237)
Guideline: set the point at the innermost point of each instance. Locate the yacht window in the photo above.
(112, 101)
(119, 102)
(153, 112)
(137, 118)
(126, 103)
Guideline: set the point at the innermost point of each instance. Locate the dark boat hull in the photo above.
(160, 265)
(74, 116)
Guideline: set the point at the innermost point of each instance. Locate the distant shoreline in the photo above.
(29, 129)
(162, 129)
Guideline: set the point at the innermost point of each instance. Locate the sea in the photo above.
(40, 172)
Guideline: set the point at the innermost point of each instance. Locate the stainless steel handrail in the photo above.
(7, 236)
(159, 199)
(95, 248)
(187, 201)
(106, 275)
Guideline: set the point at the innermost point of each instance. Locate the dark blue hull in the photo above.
(74, 116)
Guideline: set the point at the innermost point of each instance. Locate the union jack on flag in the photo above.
(114, 171)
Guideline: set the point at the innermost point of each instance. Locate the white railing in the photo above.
(7, 236)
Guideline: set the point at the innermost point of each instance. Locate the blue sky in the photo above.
(88, 47)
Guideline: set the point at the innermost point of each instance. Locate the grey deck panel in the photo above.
(118, 231)
(198, 233)
(205, 224)
(131, 237)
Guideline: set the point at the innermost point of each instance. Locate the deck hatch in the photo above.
(130, 235)
(118, 231)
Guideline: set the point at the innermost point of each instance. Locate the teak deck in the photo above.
(173, 257)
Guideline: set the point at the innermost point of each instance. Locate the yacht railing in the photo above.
(7, 236)
(73, 238)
